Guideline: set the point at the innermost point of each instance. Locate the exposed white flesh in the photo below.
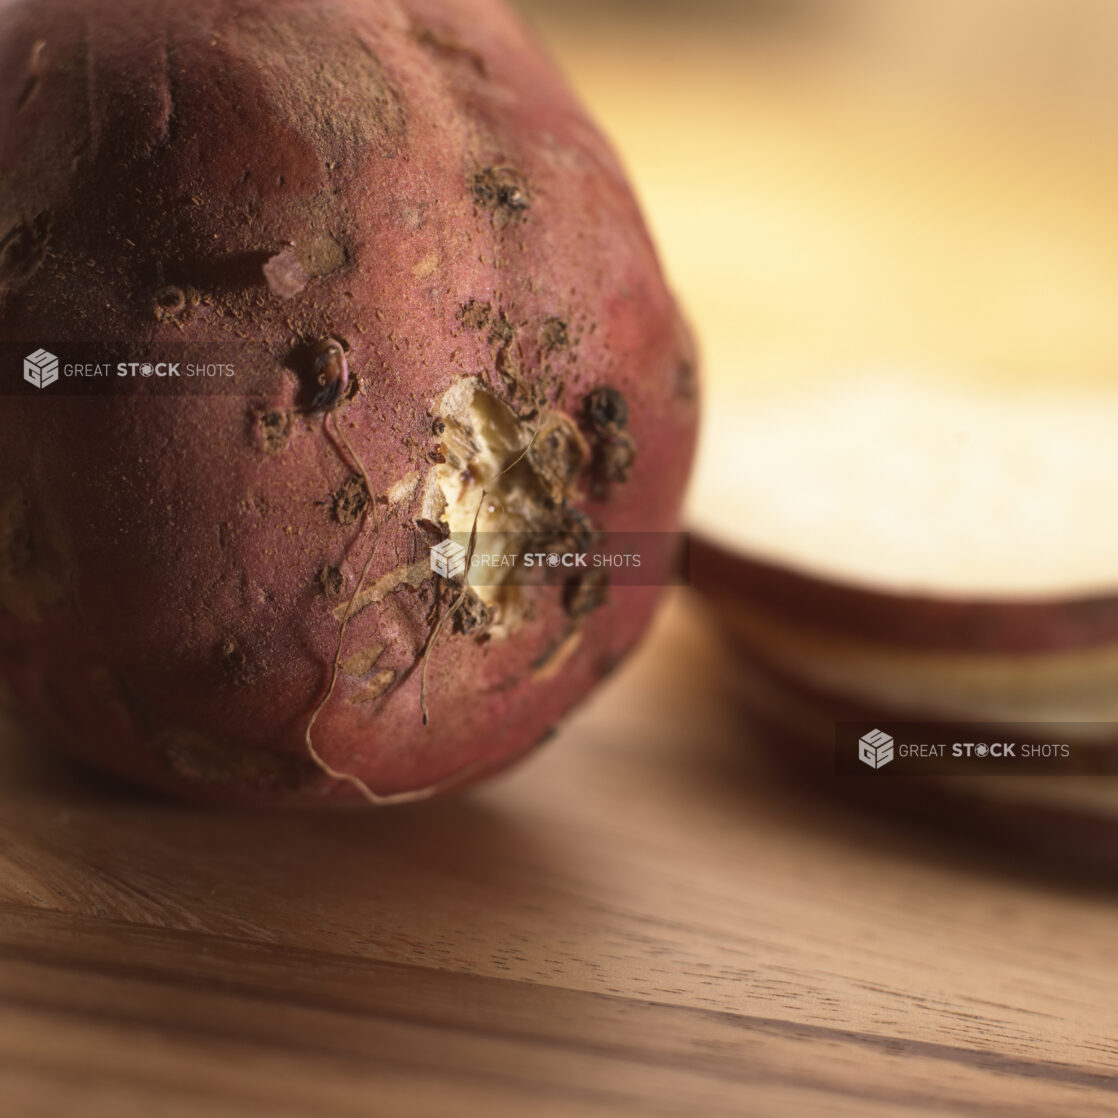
(919, 483)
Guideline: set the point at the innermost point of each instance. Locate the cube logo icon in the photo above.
(875, 749)
(448, 559)
(40, 368)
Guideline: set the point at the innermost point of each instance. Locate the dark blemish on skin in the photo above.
(352, 388)
(331, 580)
(605, 415)
(475, 315)
(233, 662)
(509, 365)
(502, 191)
(612, 462)
(169, 302)
(327, 374)
(472, 616)
(573, 531)
(605, 409)
(350, 500)
(502, 332)
(558, 455)
(554, 335)
(271, 429)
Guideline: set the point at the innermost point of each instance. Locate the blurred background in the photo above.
(850, 183)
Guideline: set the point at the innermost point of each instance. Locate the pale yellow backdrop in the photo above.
(870, 183)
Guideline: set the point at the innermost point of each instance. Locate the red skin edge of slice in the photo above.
(1034, 836)
(910, 621)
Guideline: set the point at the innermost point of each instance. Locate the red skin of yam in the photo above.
(162, 609)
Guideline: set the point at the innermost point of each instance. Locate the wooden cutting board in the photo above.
(638, 920)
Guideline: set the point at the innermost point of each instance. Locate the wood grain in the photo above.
(641, 920)
(638, 921)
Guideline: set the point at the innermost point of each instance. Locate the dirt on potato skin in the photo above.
(404, 158)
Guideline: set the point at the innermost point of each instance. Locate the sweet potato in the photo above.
(426, 266)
